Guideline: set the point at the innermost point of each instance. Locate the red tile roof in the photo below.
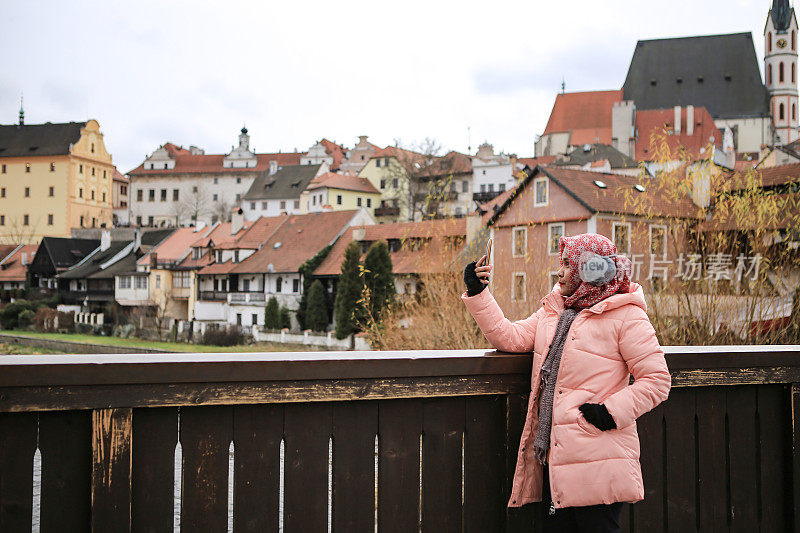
(298, 239)
(432, 256)
(218, 268)
(186, 163)
(586, 114)
(119, 176)
(487, 209)
(12, 268)
(334, 150)
(652, 123)
(220, 235)
(766, 177)
(345, 182)
(174, 247)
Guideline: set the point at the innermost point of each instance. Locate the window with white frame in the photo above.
(518, 286)
(158, 281)
(658, 240)
(141, 282)
(519, 242)
(124, 282)
(180, 279)
(555, 232)
(540, 192)
(621, 235)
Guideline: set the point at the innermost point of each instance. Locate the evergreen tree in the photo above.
(272, 314)
(379, 279)
(317, 310)
(348, 293)
(306, 272)
(286, 318)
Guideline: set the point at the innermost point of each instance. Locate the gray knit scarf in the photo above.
(549, 374)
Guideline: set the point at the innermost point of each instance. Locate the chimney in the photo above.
(677, 120)
(273, 167)
(362, 139)
(105, 240)
(237, 220)
(153, 260)
(701, 185)
(359, 233)
(689, 120)
(23, 259)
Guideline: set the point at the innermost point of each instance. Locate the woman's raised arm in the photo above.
(504, 335)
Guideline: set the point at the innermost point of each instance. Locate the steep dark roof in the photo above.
(38, 139)
(718, 72)
(288, 182)
(57, 254)
(151, 238)
(597, 152)
(92, 265)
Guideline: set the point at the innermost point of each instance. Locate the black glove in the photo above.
(472, 281)
(598, 416)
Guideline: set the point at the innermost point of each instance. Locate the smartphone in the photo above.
(488, 252)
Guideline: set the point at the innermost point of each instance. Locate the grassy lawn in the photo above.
(14, 349)
(171, 346)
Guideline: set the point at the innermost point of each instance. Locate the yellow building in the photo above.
(53, 177)
(387, 171)
(339, 192)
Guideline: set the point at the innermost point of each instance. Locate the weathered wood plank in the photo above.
(443, 430)
(155, 436)
(205, 434)
(355, 426)
(774, 446)
(257, 434)
(111, 469)
(18, 435)
(705, 377)
(741, 407)
(307, 432)
(65, 440)
(484, 461)
(649, 514)
(19, 399)
(680, 459)
(711, 483)
(400, 426)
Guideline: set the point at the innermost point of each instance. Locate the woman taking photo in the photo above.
(579, 451)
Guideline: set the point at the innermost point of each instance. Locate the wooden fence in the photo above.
(405, 441)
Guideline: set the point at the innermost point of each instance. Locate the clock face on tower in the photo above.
(781, 43)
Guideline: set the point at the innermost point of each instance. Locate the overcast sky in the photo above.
(295, 72)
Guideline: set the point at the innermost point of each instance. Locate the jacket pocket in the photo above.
(587, 426)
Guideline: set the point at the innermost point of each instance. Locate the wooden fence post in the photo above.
(111, 469)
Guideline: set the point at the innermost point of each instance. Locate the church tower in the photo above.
(780, 69)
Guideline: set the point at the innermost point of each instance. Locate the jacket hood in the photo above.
(555, 301)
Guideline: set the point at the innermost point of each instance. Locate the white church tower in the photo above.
(780, 69)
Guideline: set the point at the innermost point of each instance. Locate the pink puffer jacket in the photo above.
(606, 343)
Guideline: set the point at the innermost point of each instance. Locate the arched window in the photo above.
(769, 74)
(769, 42)
(780, 112)
(780, 72)
(279, 281)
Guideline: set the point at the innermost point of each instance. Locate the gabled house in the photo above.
(339, 192)
(277, 193)
(326, 152)
(54, 256)
(233, 289)
(416, 249)
(551, 202)
(356, 158)
(90, 284)
(14, 266)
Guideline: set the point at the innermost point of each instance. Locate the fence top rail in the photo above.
(65, 370)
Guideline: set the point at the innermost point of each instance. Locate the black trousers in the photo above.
(590, 519)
